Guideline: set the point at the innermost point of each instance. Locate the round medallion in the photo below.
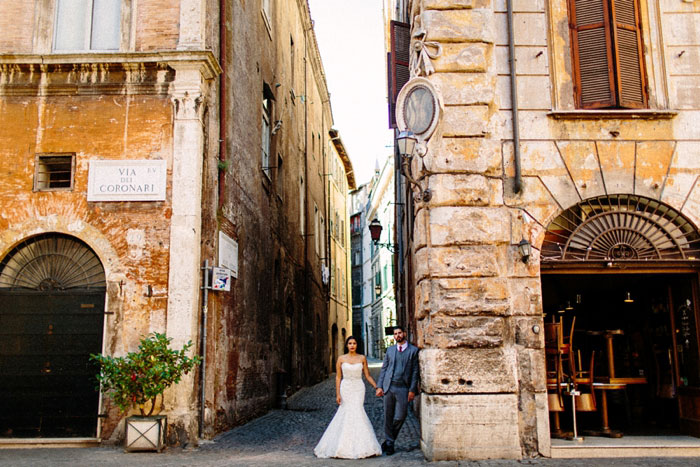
(418, 108)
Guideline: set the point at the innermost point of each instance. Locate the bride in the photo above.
(350, 434)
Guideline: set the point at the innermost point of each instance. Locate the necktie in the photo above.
(400, 349)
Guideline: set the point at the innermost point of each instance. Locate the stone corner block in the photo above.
(475, 371)
(470, 427)
(469, 225)
(460, 25)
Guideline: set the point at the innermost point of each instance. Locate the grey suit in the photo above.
(396, 388)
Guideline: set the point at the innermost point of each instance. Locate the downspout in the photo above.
(222, 101)
(221, 172)
(205, 309)
(518, 186)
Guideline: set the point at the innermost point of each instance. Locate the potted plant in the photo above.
(137, 379)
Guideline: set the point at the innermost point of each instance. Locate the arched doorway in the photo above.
(622, 272)
(52, 293)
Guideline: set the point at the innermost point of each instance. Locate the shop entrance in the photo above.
(638, 331)
(620, 297)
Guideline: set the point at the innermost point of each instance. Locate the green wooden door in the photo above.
(47, 384)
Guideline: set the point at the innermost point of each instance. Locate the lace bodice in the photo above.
(352, 370)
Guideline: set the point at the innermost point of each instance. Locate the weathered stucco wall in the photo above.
(476, 303)
(269, 334)
(131, 239)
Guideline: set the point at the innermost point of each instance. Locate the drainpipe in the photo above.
(205, 309)
(518, 187)
(222, 99)
(221, 179)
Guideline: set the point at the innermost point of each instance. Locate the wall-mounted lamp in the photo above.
(377, 290)
(525, 249)
(628, 298)
(375, 232)
(406, 144)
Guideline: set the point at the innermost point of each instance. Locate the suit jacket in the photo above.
(410, 375)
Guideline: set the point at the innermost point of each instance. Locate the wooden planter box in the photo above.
(145, 433)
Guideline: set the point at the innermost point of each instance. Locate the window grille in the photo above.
(53, 172)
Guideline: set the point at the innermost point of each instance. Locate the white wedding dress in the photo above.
(350, 434)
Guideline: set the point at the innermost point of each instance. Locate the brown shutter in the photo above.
(592, 53)
(627, 36)
(399, 73)
(390, 92)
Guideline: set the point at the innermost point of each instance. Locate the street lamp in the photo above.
(524, 248)
(406, 144)
(375, 232)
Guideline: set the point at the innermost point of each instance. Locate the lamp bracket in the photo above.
(389, 246)
(422, 195)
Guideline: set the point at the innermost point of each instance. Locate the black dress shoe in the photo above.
(389, 449)
(384, 445)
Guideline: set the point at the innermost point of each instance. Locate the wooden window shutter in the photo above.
(627, 36)
(592, 53)
(399, 71)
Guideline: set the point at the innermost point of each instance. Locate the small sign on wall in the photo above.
(228, 254)
(127, 180)
(220, 279)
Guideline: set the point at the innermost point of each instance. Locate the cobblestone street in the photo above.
(287, 438)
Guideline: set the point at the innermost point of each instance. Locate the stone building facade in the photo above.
(580, 154)
(373, 284)
(141, 141)
(379, 287)
(340, 180)
(358, 225)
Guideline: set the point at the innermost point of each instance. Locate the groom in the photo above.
(398, 384)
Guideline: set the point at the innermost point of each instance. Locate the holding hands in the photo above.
(379, 392)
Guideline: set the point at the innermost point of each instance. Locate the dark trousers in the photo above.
(395, 409)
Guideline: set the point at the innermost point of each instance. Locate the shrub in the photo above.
(141, 376)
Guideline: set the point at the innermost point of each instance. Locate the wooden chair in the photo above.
(583, 380)
(566, 348)
(560, 347)
(555, 376)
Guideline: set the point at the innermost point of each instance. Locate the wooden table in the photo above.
(611, 382)
(604, 388)
(608, 335)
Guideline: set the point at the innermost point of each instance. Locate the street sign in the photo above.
(221, 279)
